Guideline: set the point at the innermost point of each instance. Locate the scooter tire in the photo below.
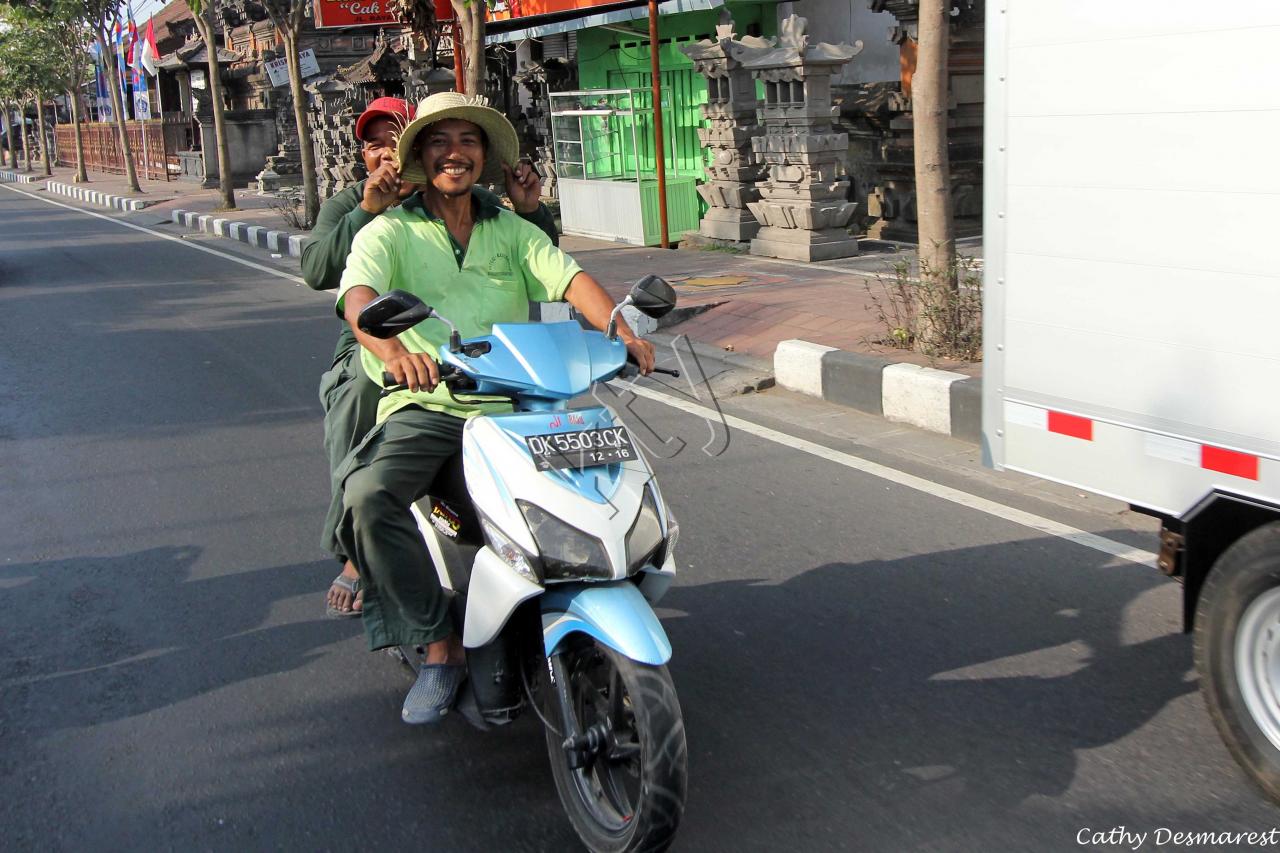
(662, 765)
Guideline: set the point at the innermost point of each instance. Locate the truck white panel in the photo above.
(1132, 225)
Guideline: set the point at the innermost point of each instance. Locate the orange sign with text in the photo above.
(354, 13)
(505, 10)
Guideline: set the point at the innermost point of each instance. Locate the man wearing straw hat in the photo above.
(350, 399)
(478, 264)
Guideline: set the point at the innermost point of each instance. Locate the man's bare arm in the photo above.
(416, 370)
(591, 301)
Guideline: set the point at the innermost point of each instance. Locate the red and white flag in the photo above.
(146, 51)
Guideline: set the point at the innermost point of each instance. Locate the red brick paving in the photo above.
(777, 302)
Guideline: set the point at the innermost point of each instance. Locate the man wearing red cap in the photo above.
(350, 399)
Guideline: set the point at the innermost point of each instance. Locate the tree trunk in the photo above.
(22, 133)
(117, 105)
(44, 136)
(10, 150)
(310, 194)
(225, 184)
(470, 15)
(929, 101)
(82, 177)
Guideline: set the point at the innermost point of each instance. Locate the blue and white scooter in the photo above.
(554, 552)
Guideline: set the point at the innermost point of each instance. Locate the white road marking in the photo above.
(893, 475)
(884, 472)
(233, 258)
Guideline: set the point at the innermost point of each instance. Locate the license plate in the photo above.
(581, 449)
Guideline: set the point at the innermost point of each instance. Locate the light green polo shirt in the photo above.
(507, 264)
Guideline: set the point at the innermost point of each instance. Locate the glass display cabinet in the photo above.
(606, 169)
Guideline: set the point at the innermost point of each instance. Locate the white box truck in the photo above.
(1132, 286)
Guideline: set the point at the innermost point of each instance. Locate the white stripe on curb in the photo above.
(797, 366)
(920, 396)
(243, 232)
(96, 197)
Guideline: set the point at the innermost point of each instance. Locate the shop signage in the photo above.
(278, 69)
(505, 10)
(354, 13)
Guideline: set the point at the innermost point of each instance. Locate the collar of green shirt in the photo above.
(417, 203)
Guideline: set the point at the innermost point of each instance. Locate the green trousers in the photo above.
(395, 465)
(350, 401)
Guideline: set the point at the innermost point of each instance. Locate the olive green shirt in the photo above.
(508, 262)
(337, 224)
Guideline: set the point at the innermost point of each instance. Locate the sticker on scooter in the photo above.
(445, 520)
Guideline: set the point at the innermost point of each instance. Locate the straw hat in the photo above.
(504, 146)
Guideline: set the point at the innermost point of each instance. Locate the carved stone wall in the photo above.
(732, 125)
(804, 209)
(541, 78)
(891, 199)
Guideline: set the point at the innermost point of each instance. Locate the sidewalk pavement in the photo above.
(813, 326)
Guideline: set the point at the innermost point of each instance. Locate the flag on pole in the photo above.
(132, 39)
(149, 54)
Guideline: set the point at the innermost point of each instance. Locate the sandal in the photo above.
(433, 693)
(351, 585)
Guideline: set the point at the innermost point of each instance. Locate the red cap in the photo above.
(394, 108)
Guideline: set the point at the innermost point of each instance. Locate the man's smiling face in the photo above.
(452, 154)
(380, 137)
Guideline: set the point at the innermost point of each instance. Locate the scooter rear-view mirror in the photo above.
(653, 297)
(392, 313)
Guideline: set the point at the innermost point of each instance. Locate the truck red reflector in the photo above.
(1229, 462)
(1072, 425)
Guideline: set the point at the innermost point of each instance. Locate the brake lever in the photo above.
(665, 370)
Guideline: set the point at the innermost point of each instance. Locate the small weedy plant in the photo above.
(922, 313)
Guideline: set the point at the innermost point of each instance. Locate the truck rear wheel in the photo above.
(1237, 652)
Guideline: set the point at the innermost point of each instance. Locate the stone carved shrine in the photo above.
(804, 208)
(730, 112)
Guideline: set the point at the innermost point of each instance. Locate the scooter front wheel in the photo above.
(626, 792)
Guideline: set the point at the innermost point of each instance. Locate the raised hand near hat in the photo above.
(381, 189)
(524, 187)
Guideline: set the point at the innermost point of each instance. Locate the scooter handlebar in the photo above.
(449, 375)
(634, 364)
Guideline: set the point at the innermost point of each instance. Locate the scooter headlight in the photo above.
(567, 553)
(511, 553)
(645, 538)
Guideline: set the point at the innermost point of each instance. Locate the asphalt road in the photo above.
(861, 666)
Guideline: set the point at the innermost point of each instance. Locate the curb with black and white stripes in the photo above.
(95, 197)
(279, 242)
(7, 177)
(936, 400)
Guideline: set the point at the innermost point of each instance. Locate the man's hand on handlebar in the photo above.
(414, 370)
(641, 352)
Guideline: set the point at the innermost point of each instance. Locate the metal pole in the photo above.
(659, 156)
(146, 158)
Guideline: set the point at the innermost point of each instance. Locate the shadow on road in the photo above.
(876, 705)
(914, 701)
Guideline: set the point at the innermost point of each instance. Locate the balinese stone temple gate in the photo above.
(730, 112)
(804, 209)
